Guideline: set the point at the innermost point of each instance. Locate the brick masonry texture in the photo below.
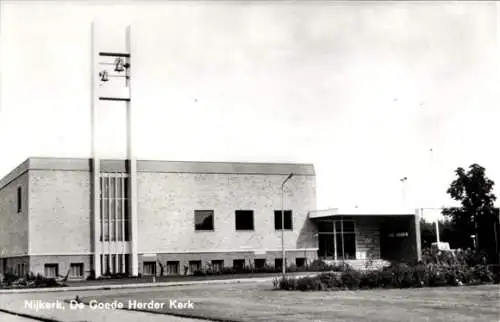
(167, 203)
(55, 223)
(14, 226)
(60, 217)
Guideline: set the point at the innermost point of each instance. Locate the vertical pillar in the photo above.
(334, 239)
(96, 169)
(132, 168)
(417, 234)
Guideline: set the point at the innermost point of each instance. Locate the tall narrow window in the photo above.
(19, 200)
(345, 235)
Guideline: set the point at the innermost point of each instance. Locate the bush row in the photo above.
(29, 281)
(395, 276)
(315, 266)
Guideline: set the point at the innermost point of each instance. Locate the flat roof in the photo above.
(389, 211)
(159, 166)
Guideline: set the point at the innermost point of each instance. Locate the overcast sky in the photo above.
(361, 90)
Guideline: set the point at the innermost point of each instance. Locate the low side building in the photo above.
(367, 238)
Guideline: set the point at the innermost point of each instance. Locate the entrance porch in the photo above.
(358, 237)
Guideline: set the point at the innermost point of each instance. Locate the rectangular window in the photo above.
(244, 220)
(238, 264)
(51, 270)
(204, 220)
(259, 262)
(19, 200)
(300, 262)
(217, 265)
(288, 219)
(345, 237)
(76, 270)
(194, 266)
(149, 269)
(173, 268)
(278, 262)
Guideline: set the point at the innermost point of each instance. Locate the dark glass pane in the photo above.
(126, 184)
(127, 234)
(244, 220)
(204, 219)
(349, 246)
(277, 219)
(325, 226)
(348, 226)
(288, 219)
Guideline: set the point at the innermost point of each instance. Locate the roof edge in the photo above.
(15, 173)
(159, 166)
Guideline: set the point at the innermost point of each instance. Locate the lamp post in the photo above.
(283, 261)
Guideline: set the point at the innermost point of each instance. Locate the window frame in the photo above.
(200, 212)
(177, 265)
(277, 216)
(51, 265)
(338, 236)
(19, 199)
(239, 212)
(80, 267)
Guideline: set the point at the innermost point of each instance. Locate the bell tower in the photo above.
(114, 195)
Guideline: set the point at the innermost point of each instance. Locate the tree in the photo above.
(477, 215)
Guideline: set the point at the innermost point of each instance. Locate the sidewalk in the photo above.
(133, 286)
(65, 314)
(17, 301)
(105, 286)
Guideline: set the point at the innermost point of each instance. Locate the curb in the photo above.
(128, 286)
(146, 285)
(28, 316)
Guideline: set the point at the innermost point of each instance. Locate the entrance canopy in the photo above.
(352, 212)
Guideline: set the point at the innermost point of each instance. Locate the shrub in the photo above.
(308, 284)
(370, 279)
(482, 273)
(319, 265)
(331, 280)
(385, 278)
(351, 279)
(288, 284)
(404, 276)
(436, 275)
(9, 278)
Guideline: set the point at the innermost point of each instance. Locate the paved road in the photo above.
(17, 303)
(26, 303)
(4, 317)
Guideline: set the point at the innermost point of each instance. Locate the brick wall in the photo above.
(166, 204)
(37, 263)
(227, 257)
(367, 238)
(60, 217)
(13, 225)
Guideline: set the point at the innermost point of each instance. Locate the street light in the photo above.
(283, 265)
